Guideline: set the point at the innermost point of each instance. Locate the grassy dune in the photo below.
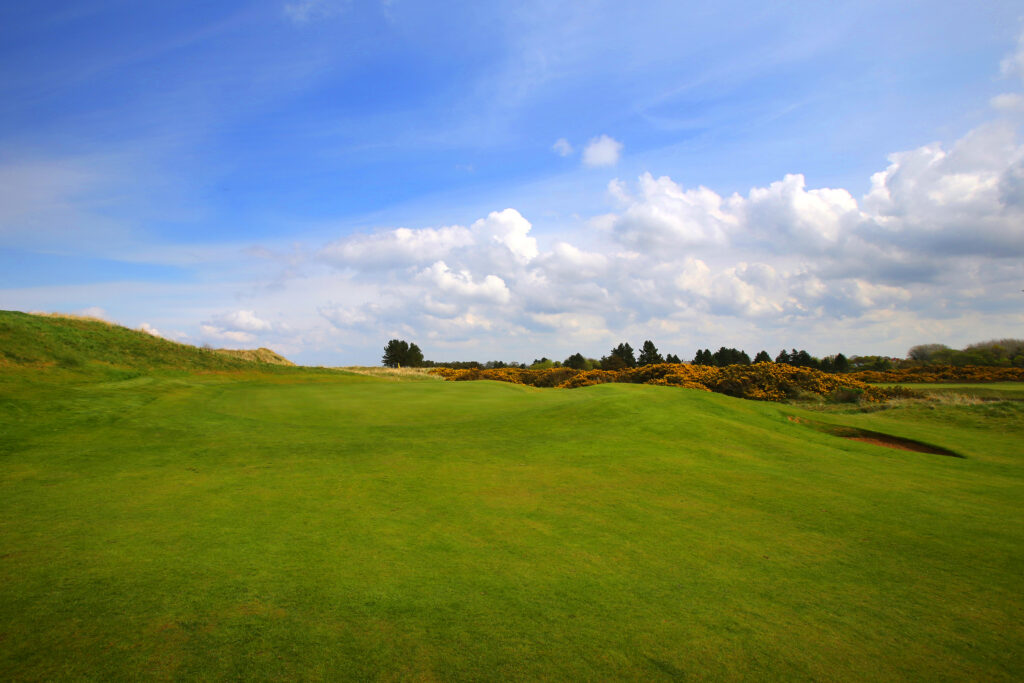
(322, 525)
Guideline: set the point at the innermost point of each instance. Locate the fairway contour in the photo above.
(291, 523)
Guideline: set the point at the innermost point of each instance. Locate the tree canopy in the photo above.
(399, 353)
(649, 354)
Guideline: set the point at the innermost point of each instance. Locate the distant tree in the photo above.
(414, 359)
(703, 357)
(840, 363)
(762, 357)
(649, 354)
(783, 357)
(612, 362)
(730, 356)
(543, 363)
(673, 358)
(576, 361)
(396, 353)
(802, 359)
(623, 352)
(927, 352)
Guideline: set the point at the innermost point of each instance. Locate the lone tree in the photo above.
(762, 357)
(649, 354)
(673, 358)
(398, 353)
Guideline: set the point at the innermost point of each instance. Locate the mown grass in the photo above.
(341, 527)
(313, 524)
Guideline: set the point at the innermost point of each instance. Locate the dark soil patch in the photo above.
(876, 438)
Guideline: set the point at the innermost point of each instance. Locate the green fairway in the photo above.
(308, 524)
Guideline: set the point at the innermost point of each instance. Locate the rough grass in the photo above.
(968, 392)
(97, 347)
(397, 374)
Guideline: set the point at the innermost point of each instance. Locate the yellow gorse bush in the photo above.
(762, 381)
(942, 373)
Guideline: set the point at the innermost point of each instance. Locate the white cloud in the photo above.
(969, 200)
(786, 212)
(1008, 102)
(461, 285)
(509, 229)
(602, 151)
(1013, 64)
(395, 248)
(350, 316)
(562, 147)
(220, 334)
(666, 215)
(242, 320)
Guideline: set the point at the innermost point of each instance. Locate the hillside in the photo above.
(88, 344)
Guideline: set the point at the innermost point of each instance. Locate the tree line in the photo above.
(999, 353)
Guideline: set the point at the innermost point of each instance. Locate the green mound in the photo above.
(91, 345)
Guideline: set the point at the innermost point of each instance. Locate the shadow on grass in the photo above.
(876, 438)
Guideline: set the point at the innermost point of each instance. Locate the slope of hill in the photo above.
(80, 343)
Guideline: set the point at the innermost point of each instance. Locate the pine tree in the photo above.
(395, 353)
(762, 357)
(399, 353)
(649, 354)
(624, 352)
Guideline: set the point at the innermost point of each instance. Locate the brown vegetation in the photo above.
(260, 355)
(762, 381)
(929, 374)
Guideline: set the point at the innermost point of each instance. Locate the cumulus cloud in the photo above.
(247, 321)
(242, 327)
(666, 215)
(562, 147)
(509, 229)
(968, 200)
(602, 151)
(220, 334)
(460, 284)
(395, 248)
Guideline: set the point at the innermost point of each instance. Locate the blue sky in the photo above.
(510, 180)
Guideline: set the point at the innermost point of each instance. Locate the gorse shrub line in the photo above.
(761, 381)
(931, 374)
